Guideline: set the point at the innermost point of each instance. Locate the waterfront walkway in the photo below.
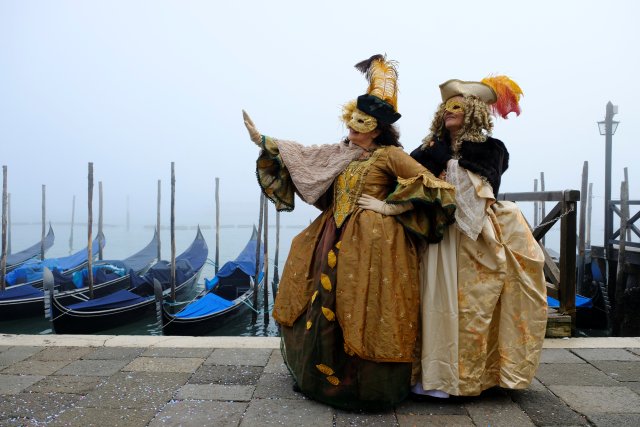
(92, 380)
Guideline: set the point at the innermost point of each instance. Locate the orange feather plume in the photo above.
(508, 93)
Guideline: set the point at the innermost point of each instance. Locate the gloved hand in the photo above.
(254, 135)
(371, 203)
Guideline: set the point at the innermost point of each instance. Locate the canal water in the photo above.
(121, 243)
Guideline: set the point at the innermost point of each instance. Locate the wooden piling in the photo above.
(626, 179)
(276, 277)
(44, 192)
(173, 232)
(621, 278)
(100, 231)
(73, 217)
(581, 228)
(536, 206)
(217, 262)
(3, 256)
(543, 212)
(90, 230)
(159, 255)
(254, 315)
(265, 277)
(8, 223)
(587, 240)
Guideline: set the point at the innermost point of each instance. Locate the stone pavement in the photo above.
(91, 380)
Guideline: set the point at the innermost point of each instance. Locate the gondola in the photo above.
(225, 297)
(23, 296)
(591, 311)
(126, 305)
(17, 259)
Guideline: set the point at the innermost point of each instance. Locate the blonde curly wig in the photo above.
(477, 124)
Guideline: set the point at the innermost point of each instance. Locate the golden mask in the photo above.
(454, 106)
(357, 120)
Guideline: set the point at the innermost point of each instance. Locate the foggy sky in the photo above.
(134, 85)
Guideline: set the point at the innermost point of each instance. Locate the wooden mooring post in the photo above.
(3, 256)
(100, 219)
(159, 254)
(44, 216)
(173, 232)
(90, 230)
(265, 277)
(561, 279)
(256, 282)
(73, 218)
(217, 261)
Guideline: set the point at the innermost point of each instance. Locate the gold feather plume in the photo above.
(382, 75)
(508, 93)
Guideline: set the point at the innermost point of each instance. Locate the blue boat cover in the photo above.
(20, 292)
(32, 270)
(108, 270)
(32, 251)
(580, 302)
(210, 303)
(187, 264)
(121, 298)
(246, 262)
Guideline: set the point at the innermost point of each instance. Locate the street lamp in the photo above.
(608, 127)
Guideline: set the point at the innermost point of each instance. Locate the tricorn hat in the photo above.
(499, 92)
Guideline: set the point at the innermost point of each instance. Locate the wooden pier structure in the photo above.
(560, 276)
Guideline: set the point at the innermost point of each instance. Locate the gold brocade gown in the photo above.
(348, 300)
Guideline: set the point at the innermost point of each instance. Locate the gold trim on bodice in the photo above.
(348, 187)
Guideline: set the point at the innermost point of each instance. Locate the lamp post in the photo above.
(608, 127)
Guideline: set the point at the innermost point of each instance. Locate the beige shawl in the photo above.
(314, 168)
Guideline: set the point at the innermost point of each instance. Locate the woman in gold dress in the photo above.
(348, 300)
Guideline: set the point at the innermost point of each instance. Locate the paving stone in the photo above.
(635, 386)
(620, 371)
(66, 384)
(115, 353)
(265, 412)
(237, 375)
(559, 355)
(135, 390)
(14, 384)
(4, 348)
(276, 386)
(164, 364)
(239, 393)
(594, 400)
(62, 353)
(25, 409)
(17, 354)
(201, 353)
(348, 419)
(431, 406)
(497, 410)
(434, 421)
(592, 354)
(93, 368)
(572, 374)
(545, 408)
(98, 417)
(276, 364)
(634, 351)
(239, 356)
(617, 420)
(189, 413)
(35, 367)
